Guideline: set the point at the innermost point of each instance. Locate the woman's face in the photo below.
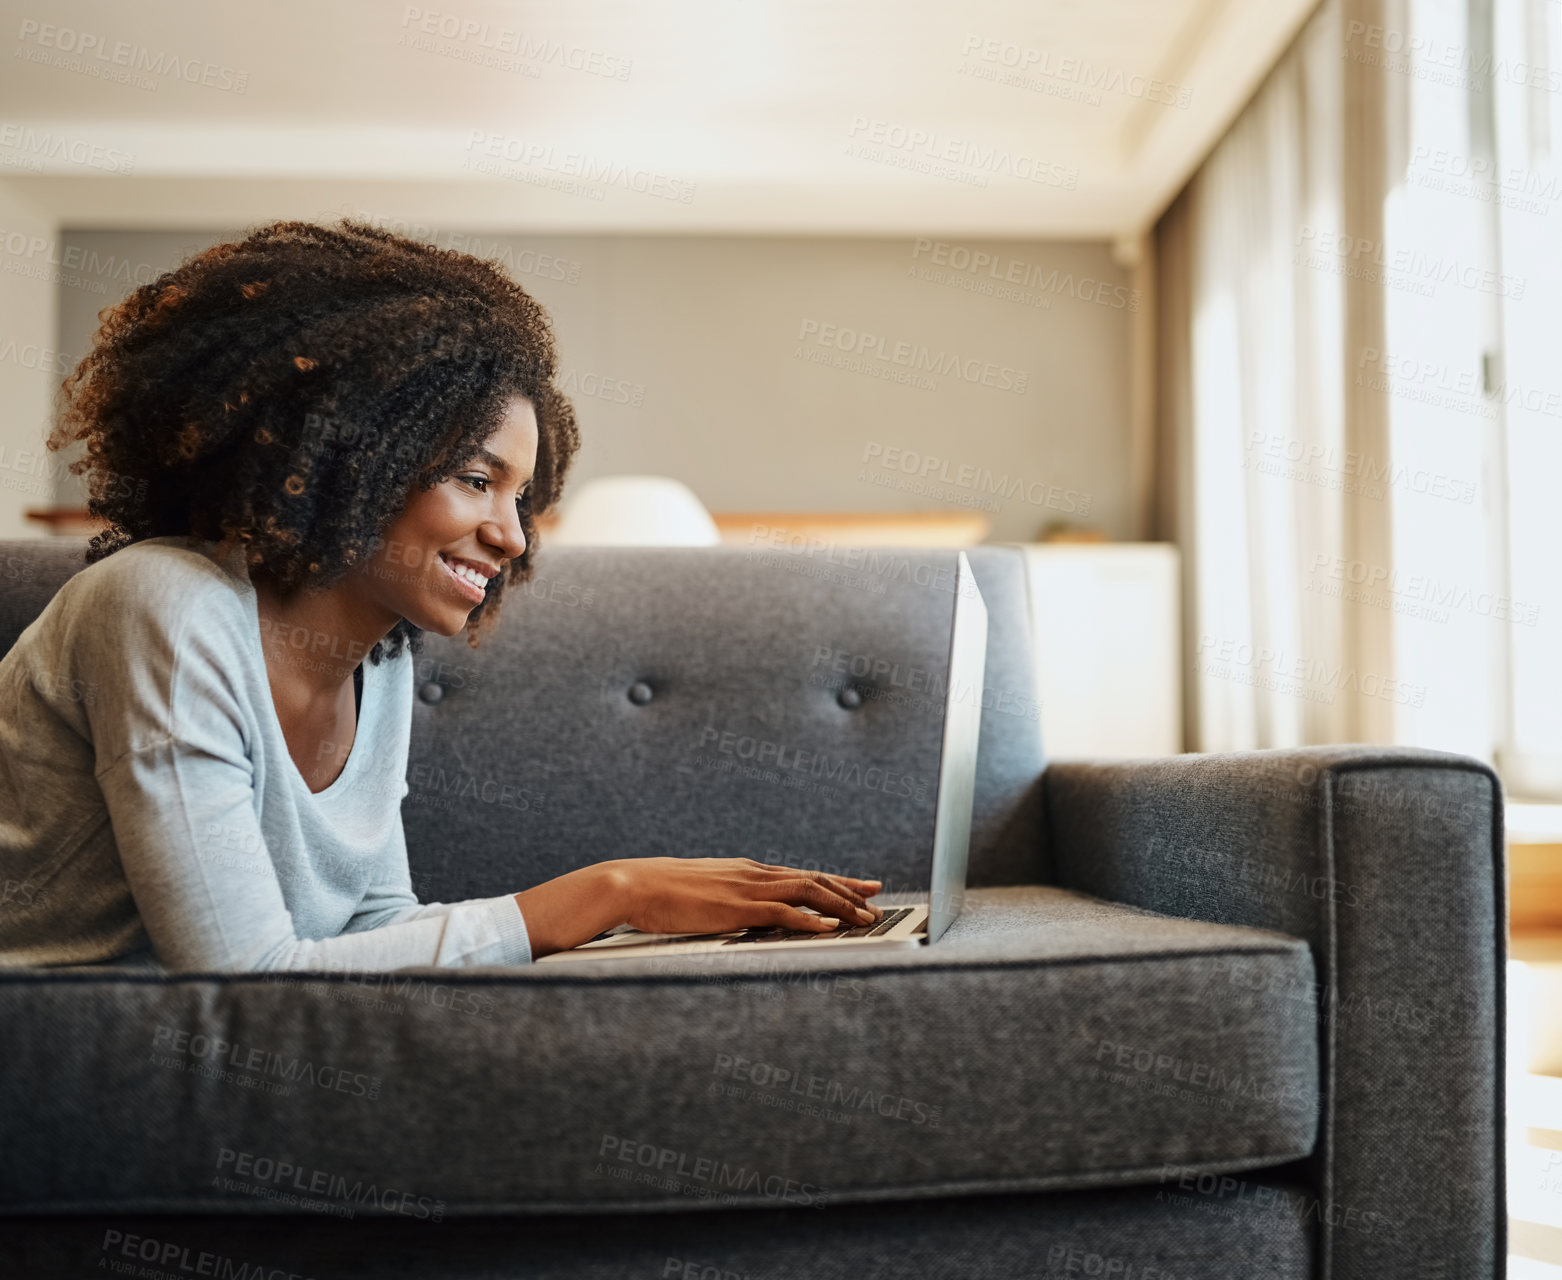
(469, 519)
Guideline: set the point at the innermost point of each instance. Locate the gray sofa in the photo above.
(1227, 1016)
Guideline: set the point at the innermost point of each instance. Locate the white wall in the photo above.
(29, 369)
(687, 356)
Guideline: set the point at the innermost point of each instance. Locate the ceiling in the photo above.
(723, 116)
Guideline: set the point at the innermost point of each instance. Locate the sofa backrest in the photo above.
(729, 701)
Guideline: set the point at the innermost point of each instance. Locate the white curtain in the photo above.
(1526, 209)
(1253, 413)
(1332, 307)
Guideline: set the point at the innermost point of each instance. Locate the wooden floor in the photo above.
(1535, 1103)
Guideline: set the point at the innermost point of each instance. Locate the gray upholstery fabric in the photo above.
(1391, 864)
(1244, 1228)
(30, 573)
(1048, 1041)
(744, 699)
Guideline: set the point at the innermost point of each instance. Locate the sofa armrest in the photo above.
(1390, 862)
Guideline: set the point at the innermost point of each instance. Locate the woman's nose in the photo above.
(509, 537)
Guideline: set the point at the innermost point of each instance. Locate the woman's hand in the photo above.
(715, 895)
(688, 895)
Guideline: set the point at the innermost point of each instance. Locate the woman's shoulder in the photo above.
(151, 634)
(171, 583)
(153, 564)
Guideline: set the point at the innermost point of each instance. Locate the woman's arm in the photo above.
(659, 895)
(179, 809)
(687, 895)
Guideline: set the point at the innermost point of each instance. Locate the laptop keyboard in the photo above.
(890, 920)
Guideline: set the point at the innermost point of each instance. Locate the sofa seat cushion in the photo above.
(1049, 1041)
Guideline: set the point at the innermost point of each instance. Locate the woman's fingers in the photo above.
(785, 917)
(867, 888)
(810, 893)
(831, 885)
(846, 888)
(819, 892)
(843, 886)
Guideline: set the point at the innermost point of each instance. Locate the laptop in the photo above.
(903, 926)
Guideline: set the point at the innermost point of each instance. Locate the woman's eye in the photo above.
(481, 483)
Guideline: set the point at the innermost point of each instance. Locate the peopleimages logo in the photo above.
(851, 1097)
(1210, 865)
(971, 476)
(196, 1048)
(1410, 51)
(18, 244)
(1075, 70)
(973, 157)
(450, 26)
(1424, 589)
(718, 1175)
(175, 1258)
(578, 164)
(279, 1175)
(767, 754)
(1405, 265)
(1024, 275)
(913, 356)
(1296, 673)
(1209, 1076)
(126, 53)
(1330, 467)
(56, 146)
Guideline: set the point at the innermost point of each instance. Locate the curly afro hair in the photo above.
(285, 392)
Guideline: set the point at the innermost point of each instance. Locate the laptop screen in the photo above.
(957, 764)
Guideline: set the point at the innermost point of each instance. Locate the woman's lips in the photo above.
(470, 590)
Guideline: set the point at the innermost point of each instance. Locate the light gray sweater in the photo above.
(150, 813)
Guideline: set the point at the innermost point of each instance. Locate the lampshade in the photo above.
(634, 511)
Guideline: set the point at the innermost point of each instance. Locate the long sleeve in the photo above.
(393, 901)
(178, 807)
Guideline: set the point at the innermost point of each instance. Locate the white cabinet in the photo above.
(1106, 635)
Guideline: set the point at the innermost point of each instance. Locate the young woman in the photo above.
(331, 429)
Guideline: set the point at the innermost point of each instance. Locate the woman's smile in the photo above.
(465, 578)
